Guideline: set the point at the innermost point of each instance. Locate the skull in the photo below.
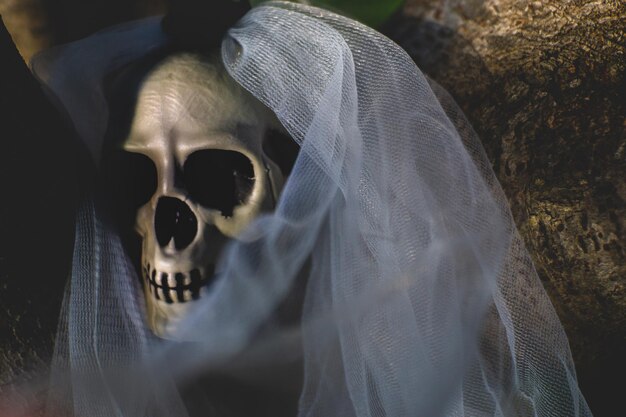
(204, 138)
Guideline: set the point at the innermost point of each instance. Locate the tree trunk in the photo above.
(544, 85)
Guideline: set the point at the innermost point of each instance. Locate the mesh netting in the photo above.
(420, 297)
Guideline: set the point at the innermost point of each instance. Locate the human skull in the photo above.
(204, 135)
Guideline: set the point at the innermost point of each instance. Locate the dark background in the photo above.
(543, 83)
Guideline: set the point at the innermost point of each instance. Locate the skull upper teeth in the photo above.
(176, 287)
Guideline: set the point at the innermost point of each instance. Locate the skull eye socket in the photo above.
(219, 179)
(131, 179)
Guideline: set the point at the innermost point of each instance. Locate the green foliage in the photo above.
(370, 12)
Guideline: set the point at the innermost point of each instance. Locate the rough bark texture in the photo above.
(544, 84)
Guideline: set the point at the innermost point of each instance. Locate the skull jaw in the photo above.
(164, 319)
(172, 283)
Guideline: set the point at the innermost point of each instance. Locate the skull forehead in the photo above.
(188, 100)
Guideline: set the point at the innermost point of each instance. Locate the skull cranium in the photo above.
(203, 136)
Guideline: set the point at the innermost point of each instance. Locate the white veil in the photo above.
(420, 299)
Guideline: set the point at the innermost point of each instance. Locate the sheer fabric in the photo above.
(420, 299)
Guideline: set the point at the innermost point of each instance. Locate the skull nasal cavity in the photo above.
(174, 220)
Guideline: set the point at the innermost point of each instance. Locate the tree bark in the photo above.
(544, 85)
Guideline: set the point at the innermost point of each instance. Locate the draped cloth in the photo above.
(420, 299)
